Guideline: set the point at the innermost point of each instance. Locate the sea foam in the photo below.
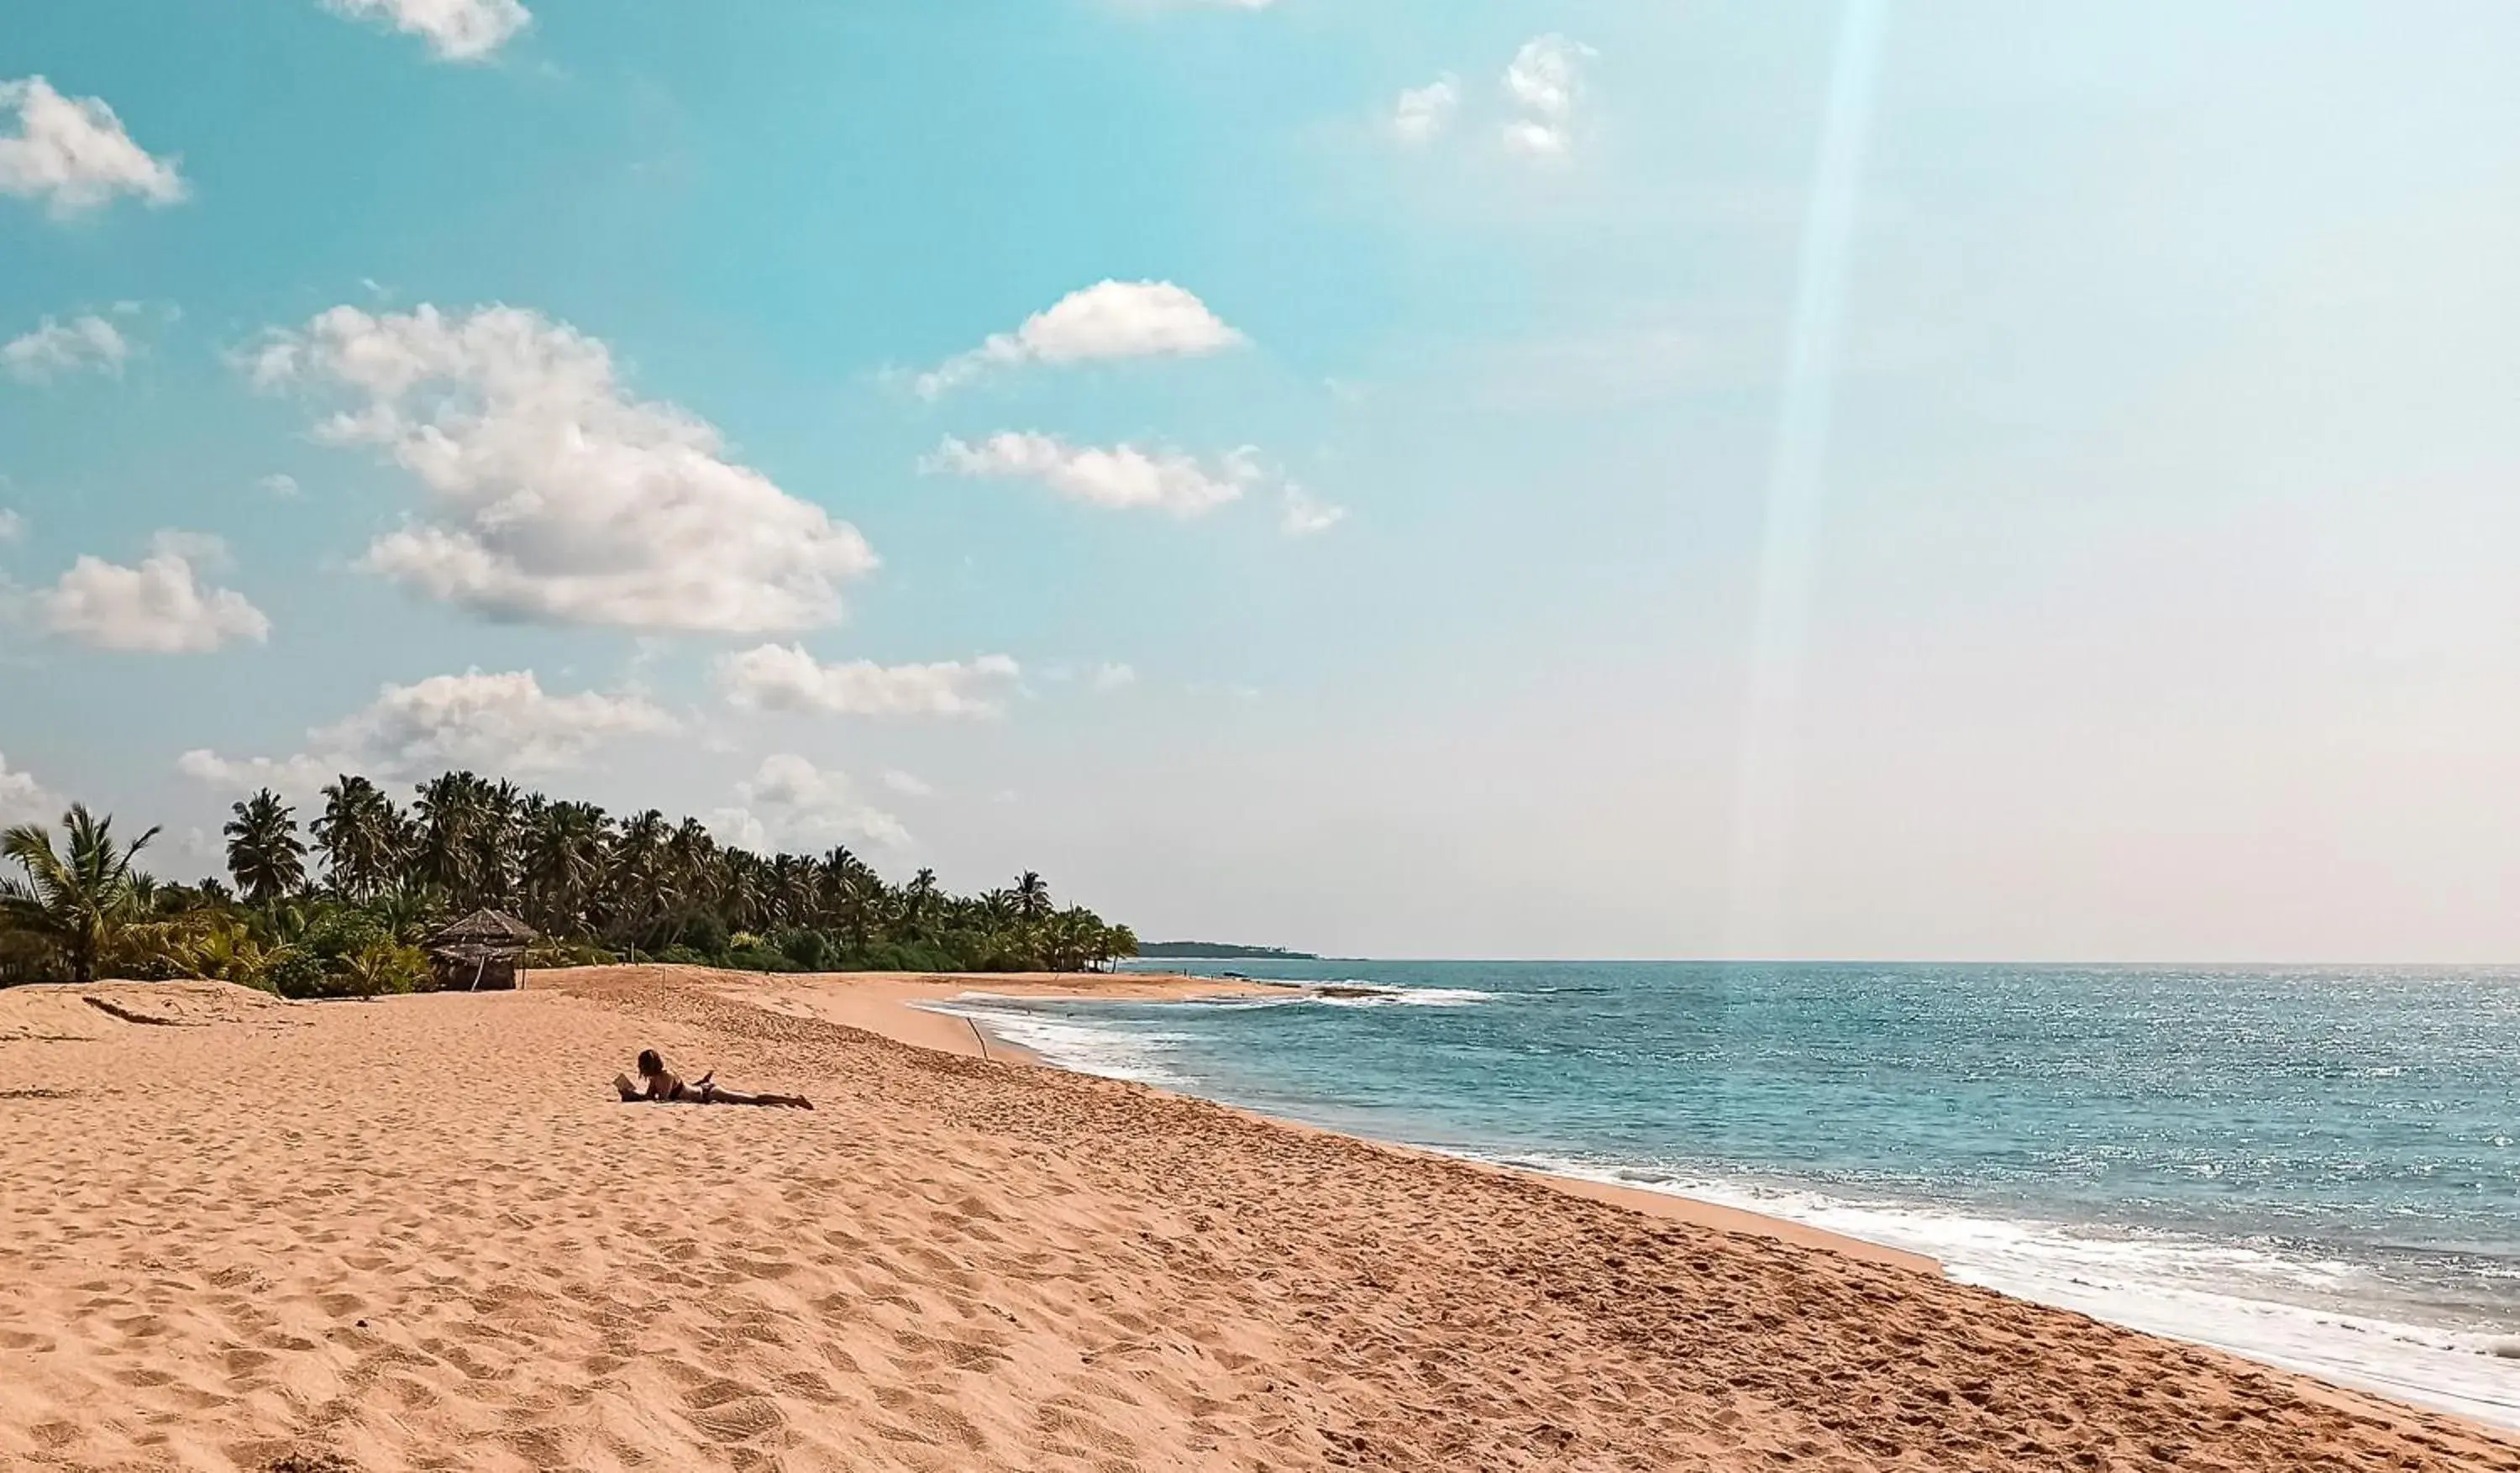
(2231, 1297)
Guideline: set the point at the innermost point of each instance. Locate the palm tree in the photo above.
(383, 967)
(635, 890)
(264, 852)
(404, 910)
(467, 839)
(918, 899)
(78, 899)
(695, 874)
(791, 891)
(847, 893)
(361, 835)
(494, 843)
(736, 887)
(230, 952)
(1032, 895)
(449, 815)
(560, 863)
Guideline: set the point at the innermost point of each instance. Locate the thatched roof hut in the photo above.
(482, 951)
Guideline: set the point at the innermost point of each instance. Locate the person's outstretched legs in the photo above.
(720, 1095)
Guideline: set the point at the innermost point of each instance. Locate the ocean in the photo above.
(2319, 1168)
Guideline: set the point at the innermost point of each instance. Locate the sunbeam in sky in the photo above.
(1797, 488)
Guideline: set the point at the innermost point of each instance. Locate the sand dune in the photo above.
(65, 1014)
(421, 1234)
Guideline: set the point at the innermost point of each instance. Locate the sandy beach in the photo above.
(420, 1234)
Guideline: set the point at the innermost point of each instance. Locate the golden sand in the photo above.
(422, 1233)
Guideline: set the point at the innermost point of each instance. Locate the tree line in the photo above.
(340, 906)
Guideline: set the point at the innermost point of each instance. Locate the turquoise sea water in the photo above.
(2320, 1168)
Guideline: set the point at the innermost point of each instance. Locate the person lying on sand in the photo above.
(662, 1086)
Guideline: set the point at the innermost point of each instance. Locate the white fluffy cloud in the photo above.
(22, 799)
(1422, 114)
(1545, 83)
(504, 722)
(1121, 478)
(299, 777)
(498, 725)
(792, 803)
(556, 496)
(458, 30)
(63, 347)
(73, 152)
(11, 525)
(785, 678)
(1307, 515)
(1113, 677)
(908, 785)
(278, 484)
(1107, 320)
(159, 607)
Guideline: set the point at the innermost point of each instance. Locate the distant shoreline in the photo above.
(1217, 951)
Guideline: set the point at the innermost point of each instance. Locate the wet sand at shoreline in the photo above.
(889, 1004)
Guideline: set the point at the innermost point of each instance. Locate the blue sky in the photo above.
(1354, 540)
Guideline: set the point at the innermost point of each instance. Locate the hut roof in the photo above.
(493, 931)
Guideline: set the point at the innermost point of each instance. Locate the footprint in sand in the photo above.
(243, 1363)
(729, 1412)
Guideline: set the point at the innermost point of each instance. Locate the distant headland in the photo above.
(1211, 949)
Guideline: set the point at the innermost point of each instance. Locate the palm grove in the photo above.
(340, 908)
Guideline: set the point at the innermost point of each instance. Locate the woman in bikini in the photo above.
(658, 1085)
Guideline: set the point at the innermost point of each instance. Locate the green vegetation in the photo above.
(598, 888)
(1220, 949)
(78, 902)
